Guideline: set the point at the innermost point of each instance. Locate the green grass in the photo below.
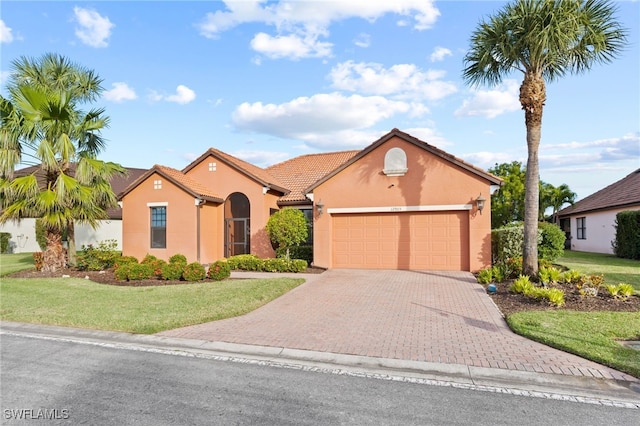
(591, 335)
(10, 263)
(615, 269)
(81, 303)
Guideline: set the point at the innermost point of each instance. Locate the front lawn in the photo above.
(76, 302)
(614, 269)
(594, 335)
(10, 263)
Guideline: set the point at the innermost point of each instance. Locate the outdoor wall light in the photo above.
(320, 207)
(480, 202)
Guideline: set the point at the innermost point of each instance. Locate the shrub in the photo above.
(287, 228)
(219, 270)
(139, 271)
(121, 273)
(621, 291)
(589, 285)
(194, 272)
(4, 242)
(172, 271)
(38, 260)
(627, 240)
(499, 273)
(178, 258)
(98, 258)
(298, 265)
(555, 296)
(571, 276)
(507, 241)
(522, 285)
(551, 243)
(549, 275)
(485, 276)
(245, 262)
(296, 252)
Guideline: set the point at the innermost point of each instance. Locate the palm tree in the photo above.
(544, 40)
(560, 196)
(42, 124)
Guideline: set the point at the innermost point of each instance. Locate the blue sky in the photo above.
(267, 81)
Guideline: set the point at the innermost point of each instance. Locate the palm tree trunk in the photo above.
(54, 257)
(71, 244)
(532, 98)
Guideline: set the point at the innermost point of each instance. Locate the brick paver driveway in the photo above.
(442, 317)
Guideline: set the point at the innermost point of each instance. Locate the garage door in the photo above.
(416, 240)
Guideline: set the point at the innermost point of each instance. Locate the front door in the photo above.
(237, 222)
(237, 237)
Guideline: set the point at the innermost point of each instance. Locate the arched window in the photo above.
(395, 162)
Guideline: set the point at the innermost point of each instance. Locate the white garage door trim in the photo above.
(395, 209)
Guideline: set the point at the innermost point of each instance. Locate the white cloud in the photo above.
(290, 46)
(183, 95)
(492, 103)
(312, 118)
(120, 92)
(439, 53)
(363, 40)
(308, 20)
(94, 30)
(609, 150)
(403, 81)
(6, 35)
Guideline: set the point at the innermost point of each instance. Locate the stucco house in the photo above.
(400, 203)
(23, 232)
(590, 223)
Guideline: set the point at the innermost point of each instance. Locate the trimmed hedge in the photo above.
(627, 241)
(219, 270)
(507, 242)
(250, 262)
(296, 252)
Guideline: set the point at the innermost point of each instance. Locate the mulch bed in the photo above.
(506, 301)
(510, 303)
(107, 277)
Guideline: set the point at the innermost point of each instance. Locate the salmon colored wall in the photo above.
(181, 220)
(430, 180)
(226, 180)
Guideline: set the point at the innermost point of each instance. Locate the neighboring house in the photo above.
(400, 203)
(23, 232)
(590, 223)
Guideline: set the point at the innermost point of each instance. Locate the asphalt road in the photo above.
(76, 383)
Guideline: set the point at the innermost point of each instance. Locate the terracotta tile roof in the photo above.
(625, 192)
(187, 183)
(256, 173)
(300, 172)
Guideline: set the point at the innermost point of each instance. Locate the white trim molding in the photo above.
(158, 204)
(400, 209)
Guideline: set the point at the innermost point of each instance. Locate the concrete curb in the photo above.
(616, 392)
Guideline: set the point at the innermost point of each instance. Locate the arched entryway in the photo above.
(237, 225)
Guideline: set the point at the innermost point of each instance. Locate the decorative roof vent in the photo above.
(395, 162)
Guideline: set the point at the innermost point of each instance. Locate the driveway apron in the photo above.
(440, 317)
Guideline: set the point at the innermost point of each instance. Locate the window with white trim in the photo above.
(581, 228)
(157, 184)
(158, 227)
